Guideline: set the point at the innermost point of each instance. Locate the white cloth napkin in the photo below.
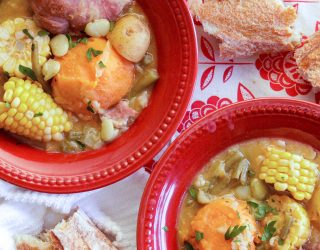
(27, 212)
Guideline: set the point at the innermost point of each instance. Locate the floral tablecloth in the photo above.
(219, 83)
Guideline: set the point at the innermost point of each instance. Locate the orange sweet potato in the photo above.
(81, 80)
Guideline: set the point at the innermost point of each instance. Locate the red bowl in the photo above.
(236, 123)
(61, 173)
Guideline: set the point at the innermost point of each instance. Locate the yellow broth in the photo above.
(251, 151)
(10, 9)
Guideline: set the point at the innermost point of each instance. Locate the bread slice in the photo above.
(27, 242)
(79, 232)
(248, 27)
(308, 60)
(76, 233)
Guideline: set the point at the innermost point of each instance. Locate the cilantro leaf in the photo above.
(38, 114)
(81, 145)
(27, 72)
(233, 232)
(269, 231)
(101, 65)
(43, 33)
(193, 192)
(261, 209)
(199, 236)
(90, 108)
(27, 33)
(165, 228)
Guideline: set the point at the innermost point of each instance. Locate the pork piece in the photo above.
(63, 16)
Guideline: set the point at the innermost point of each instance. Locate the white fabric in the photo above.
(114, 210)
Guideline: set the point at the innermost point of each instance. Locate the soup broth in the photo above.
(258, 182)
(87, 134)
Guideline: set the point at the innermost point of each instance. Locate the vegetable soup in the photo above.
(261, 194)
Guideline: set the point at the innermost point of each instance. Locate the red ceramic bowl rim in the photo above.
(159, 172)
(157, 140)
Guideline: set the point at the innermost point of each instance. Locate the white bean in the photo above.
(59, 45)
(108, 132)
(50, 69)
(98, 28)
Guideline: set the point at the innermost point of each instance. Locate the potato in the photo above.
(131, 38)
(259, 189)
(50, 69)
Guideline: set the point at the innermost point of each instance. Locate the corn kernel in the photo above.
(280, 186)
(298, 196)
(27, 99)
(289, 172)
(270, 179)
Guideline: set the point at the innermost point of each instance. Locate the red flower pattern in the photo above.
(282, 72)
(200, 109)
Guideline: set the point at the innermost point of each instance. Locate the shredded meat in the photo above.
(63, 16)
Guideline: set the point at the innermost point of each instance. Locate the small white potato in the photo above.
(98, 28)
(108, 132)
(243, 192)
(50, 69)
(259, 189)
(59, 45)
(131, 38)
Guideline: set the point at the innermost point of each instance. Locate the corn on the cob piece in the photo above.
(292, 172)
(28, 111)
(295, 231)
(15, 45)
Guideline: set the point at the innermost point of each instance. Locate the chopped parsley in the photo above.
(199, 236)
(43, 33)
(92, 52)
(188, 246)
(251, 173)
(90, 108)
(81, 145)
(233, 232)
(7, 105)
(101, 65)
(261, 210)
(27, 33)
(193, 192)
(27, 72)
(73, 44)
(38, 114)
(280, 242)
(237, 241)
(269, 231)
(165, 228)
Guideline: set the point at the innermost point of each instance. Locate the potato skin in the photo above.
(131, 38)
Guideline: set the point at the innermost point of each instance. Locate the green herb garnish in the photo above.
(72, 44)
(280, 242)
(101, 65)
(112, 24)
(27, 33)
(7, 105)
(193, 192)
(83, 40)
(233, 232)
(237, 241)
(269, 231)
(6, 74)
(90, 108)
(165, 228)
(188, 246)
(27, 72)
(43, 33)
(251, 173)
(92, 52)
(261, 210)
(81, 145)
(38, 114)
(199, 236)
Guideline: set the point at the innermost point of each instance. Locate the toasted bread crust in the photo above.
(308, 59)
(247, 27)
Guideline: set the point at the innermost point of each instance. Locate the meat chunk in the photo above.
(63, 16)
